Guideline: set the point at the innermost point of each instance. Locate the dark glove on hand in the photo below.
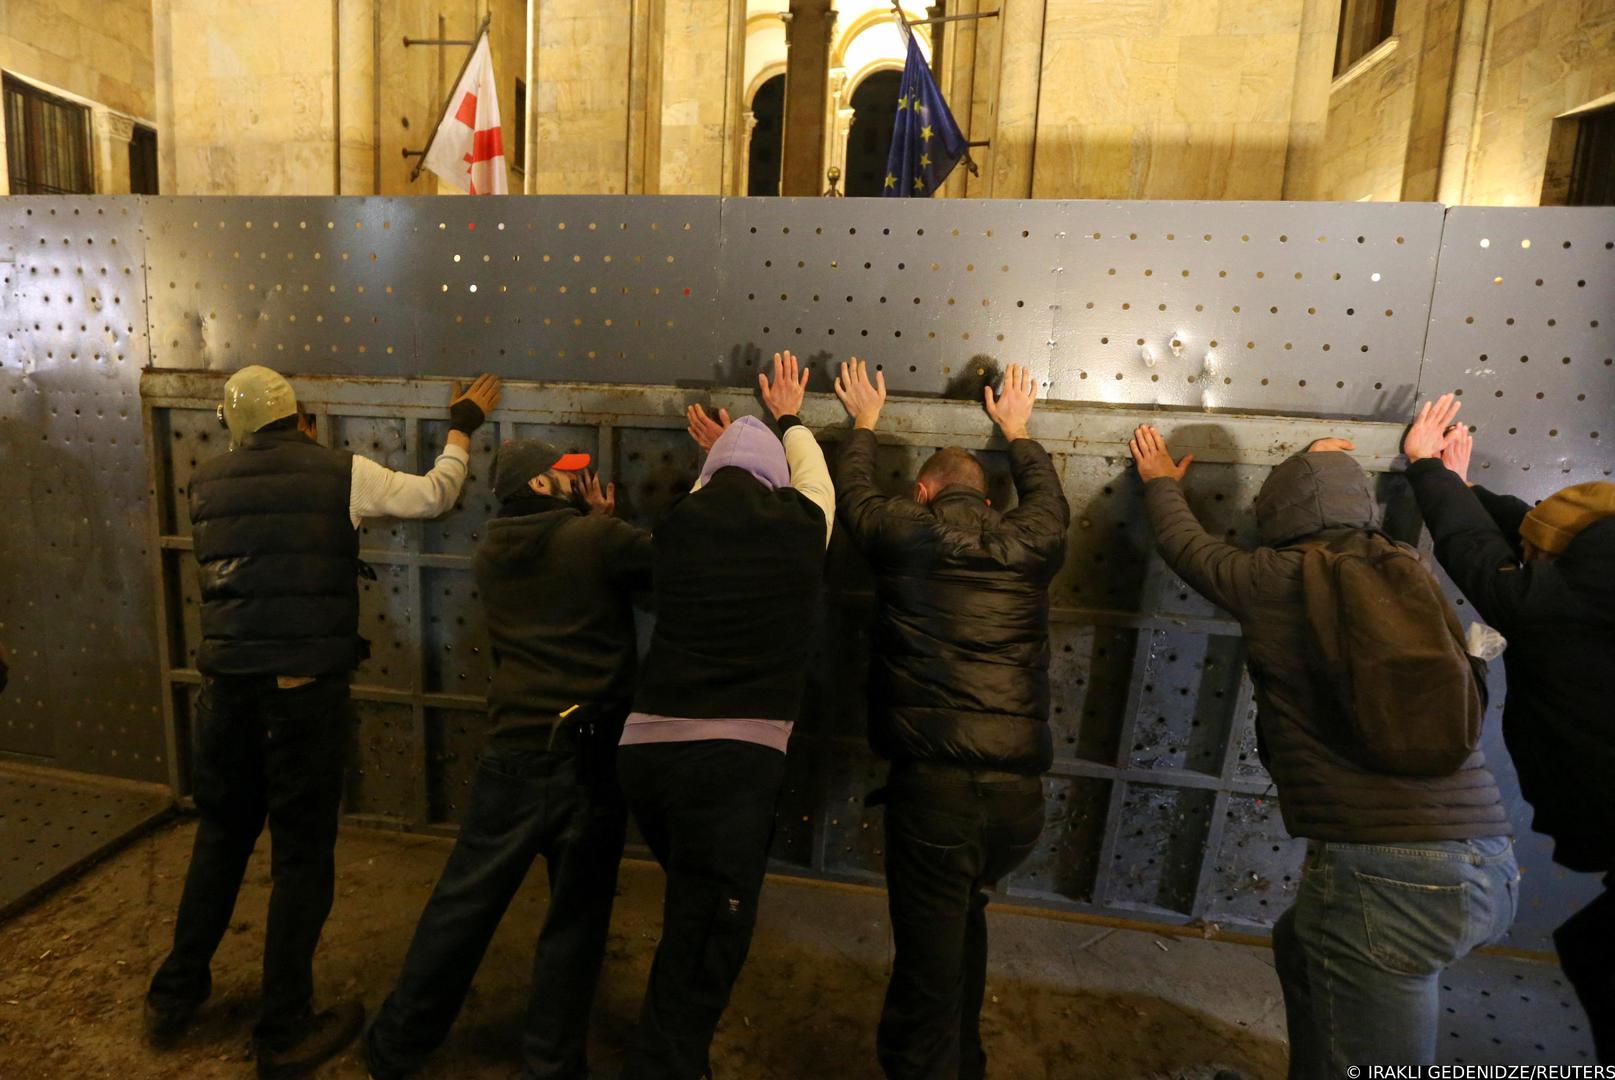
(465, 416)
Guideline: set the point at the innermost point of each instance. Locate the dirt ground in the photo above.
(1065, 1000)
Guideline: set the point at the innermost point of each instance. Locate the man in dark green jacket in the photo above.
(555, 572)
(1404, 874)
(958, 703)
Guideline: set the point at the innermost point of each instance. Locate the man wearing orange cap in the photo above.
(556, 573)
(1544, 577)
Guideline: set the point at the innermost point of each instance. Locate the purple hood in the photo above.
(749, 444)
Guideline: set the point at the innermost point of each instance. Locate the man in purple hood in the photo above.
(737, 570)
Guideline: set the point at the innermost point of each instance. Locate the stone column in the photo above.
(113, 133)
(843, 129)
(808, 27)
(835, 138)
(1020, 81)
(748, 124)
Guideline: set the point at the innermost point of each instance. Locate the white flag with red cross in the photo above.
(469, 148)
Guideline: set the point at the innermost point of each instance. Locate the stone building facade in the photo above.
(1462, 101)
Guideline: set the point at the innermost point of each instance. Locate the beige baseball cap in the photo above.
(253, 397)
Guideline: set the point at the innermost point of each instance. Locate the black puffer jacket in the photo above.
(1326, 791)
(1559, 618)
(960, 673)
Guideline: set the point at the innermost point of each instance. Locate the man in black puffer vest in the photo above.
(556, 573)
(959, 703)
(275, 527)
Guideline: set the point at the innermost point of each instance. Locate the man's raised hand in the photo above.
(783, 396)
(1153, 458)
(1011, 408)
(601, 501)
(1456, 450)
(703, 429)
(1428, 432)
(862, 399)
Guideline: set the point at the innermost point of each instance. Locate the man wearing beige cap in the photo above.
(1543, 577)
(274, 526)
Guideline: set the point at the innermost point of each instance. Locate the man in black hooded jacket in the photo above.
(555, 572)
(1544, 578)
(959, 704)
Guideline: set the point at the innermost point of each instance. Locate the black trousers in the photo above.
(262, 753)
(566, 806)
(951, 833)
(707, 811)
(1586, 944)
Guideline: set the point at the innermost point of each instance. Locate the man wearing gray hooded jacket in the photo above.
(1404, 874)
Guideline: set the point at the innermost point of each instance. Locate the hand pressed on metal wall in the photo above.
(784, 396)
(1152, 457)
(1429, 429)
(1456, 450)
(862, 399)
(468, 408)
(702, 428)
(1011, 407)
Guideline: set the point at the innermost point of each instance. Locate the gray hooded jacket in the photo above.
(1325, 792)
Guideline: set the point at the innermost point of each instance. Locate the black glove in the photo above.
(465, 416)
(3, 669)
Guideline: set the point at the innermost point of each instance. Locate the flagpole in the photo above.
(908, 32)
(482, 32)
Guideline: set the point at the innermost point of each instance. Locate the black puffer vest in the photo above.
(279, 558)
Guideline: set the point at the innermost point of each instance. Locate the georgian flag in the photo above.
(469, 150)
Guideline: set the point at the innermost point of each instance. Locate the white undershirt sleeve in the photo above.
(810, 474)
(380, 492)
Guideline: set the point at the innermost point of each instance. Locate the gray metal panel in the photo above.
(1303, 308)
(51, 825)
(1522, 327)
(1501, 1011)
(76, 606)
(599, 289)
(1217, 305)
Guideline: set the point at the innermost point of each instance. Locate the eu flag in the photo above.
(926, 143)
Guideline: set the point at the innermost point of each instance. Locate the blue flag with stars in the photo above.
(926, 143)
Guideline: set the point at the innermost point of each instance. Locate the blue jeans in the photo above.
(1361, 952)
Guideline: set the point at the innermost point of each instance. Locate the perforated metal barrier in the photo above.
(1342, 313)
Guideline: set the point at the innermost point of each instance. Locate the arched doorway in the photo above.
(869, 143)
(768, 107)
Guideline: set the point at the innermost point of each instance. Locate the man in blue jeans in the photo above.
(1407, 870)
(555, 572)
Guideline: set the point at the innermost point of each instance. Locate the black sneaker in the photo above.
(166, 1026)
(327, 1035)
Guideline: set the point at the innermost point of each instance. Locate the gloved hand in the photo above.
(3, 669)
(468, 409)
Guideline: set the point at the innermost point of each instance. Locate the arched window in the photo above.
(869, 143)
(768, 106)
